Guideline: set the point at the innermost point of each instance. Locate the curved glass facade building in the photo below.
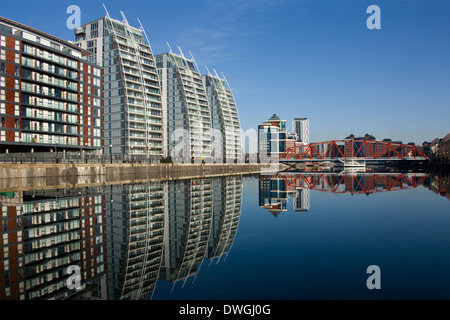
(186, 103)
(224, 118)
(133, 116)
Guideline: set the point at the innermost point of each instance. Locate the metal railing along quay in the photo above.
(75, 157)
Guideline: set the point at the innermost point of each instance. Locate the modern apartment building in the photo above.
(300, 126)
(188, 115)
(50, 94)
(224, 119)
(133, 114)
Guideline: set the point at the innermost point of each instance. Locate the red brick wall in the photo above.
(10, 42)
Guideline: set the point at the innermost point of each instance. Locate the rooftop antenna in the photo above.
(145, 34)
(107, 13)
(141, 28)
(209, 73)
(216, 73)
(192, 58)
(226, 81)
(181, 52)
(170, 49)
(124, 18)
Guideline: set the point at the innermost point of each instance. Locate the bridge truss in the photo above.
(350, 149)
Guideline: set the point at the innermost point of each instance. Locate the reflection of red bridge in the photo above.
(351, 149)
(365, 183)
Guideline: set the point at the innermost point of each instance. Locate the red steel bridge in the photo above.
(365, 183)
(350, 149)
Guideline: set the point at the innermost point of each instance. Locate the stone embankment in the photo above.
(32, 176)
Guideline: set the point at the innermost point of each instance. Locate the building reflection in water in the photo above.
(439, 185)
(301, 200)
(43, 233)
(134, 232)
(275, 191)
(202, 220)
(187, 227)
(273, 194)
(124, 238)
(127, 238)
(226, 215)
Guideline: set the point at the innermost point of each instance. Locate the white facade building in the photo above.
(300, 126)
(224, 119)
(133, 115)
(188, 117)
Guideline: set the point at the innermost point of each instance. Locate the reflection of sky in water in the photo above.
(324, 253)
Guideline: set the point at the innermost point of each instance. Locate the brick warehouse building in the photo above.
(50, 94)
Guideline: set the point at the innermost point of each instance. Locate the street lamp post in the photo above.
(110, 152)
(131, 155)
(21, 150)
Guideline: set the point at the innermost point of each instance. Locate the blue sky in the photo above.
(300, 58)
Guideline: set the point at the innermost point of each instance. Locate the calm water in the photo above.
(287, 236)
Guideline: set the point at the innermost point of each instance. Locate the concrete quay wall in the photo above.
(26, 176)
